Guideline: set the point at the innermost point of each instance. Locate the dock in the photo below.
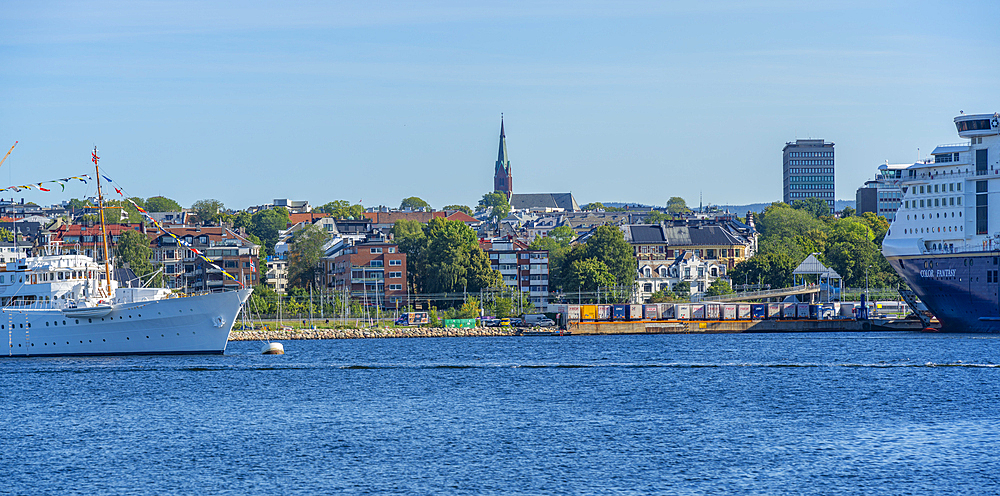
(740, 326)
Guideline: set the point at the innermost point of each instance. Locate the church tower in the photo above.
(502, 179)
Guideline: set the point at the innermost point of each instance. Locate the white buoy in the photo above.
(272, 349)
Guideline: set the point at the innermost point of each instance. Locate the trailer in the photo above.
(573, 312)
(743, 311)
(815, 312)
(729, 311)
(666, 311)
(588, 312)
(682, 311)
(788, 310)
(619, 312)
(773, 311)
(758, 311)
(698, 311)
(635, 312)
(802, 310)
(603, 312)
(651, 312)
(711, 311)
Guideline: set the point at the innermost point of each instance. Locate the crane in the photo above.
(8, 153)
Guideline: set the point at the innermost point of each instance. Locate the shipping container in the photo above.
(574, 313)
(588, 312)
(603, 312)
(802, 310)
(729, 311)
(758, 311)
(711, 311)
(635, 312)
(666, 311)
(774, 310)
(743, 311)
(682, 311)
(619, 312)
(847, 310)
(698, 311)
(651, 312)
(788, 310)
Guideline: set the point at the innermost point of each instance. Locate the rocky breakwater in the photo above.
(400, 332)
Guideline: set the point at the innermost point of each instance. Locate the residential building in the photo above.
(85, 239)
(293, 206)
(384, 220)
(884, 194)
(659, 274)
(277, 272)
(521, 268)
(544, 202)
(808, 171)
(502, 178)
(724, 239)
(373, 272)
(230, 250)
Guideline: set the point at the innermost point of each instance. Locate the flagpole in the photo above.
(104, 229)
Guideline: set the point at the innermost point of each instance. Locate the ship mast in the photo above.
(104, 229)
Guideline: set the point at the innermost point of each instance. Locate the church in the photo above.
(503, 183)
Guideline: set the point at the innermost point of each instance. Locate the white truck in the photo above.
(537, 319)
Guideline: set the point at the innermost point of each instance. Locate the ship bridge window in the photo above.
(973, 125)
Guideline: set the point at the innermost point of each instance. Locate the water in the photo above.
(887, 413)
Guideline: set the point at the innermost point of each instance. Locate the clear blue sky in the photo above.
(376, 101)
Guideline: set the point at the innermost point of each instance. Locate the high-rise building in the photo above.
(808, 171)
(883, 195)
(502, 179)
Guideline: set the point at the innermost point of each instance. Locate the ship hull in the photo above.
(191, 325)
(960, 289)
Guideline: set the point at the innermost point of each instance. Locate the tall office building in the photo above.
(808, 171)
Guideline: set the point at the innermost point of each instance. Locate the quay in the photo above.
(594, 328)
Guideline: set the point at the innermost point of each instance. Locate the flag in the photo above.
(253, 266)
(106, 178)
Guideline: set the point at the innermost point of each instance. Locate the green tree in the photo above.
(719, 287)
(655, 217)
(6, 235)
(162, 204)
(817, 207)
(304, 255)
(409, 236)
(848, 212)
(133, 248)
(208, 210)
(676, 206)
(459, 208)
(557, 243)
(683, 290)
(446, 258)
(773, 268)
(497, 204)
(588, 274)
(342, 209)
(77, 204)
(608, 246)
(593, 206)
(413, 203)
(265, 224)
(781, 221)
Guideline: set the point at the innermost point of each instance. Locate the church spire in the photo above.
(502, 178)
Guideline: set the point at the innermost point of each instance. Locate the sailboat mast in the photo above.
(104, 229)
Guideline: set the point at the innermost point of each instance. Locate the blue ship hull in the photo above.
(960, 289)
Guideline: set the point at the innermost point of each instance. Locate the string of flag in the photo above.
(40, 186)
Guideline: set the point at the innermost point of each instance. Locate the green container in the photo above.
(460, 323)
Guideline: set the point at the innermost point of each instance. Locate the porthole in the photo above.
(127, 338)
(64, 322)
(90, 321)
(130, 316)
(105, 340)
(77, 321)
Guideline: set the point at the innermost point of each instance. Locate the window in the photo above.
(375, 263)
(376, 250)
(230, 264)
(395, 287)
(169, 255)
(395, 275)
(393, 263)
(392, 249)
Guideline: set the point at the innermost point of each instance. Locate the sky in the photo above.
(375, 101)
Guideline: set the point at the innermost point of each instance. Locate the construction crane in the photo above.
(8, 153)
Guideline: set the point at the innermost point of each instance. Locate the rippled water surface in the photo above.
(889, 413)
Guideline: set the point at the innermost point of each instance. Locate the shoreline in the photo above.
(370, 333)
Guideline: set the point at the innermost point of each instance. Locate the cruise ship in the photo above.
(945, 239)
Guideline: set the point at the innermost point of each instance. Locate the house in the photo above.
(84, 239)
(385, 219)
(722, 238)
(659, 274)
(521, 267)
(230, 250)
(372, 272)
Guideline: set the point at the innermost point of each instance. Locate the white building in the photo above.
(657, 275)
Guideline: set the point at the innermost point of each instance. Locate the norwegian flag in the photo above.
(253, 266)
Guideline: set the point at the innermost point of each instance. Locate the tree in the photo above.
(6, 235)
(208, 210)
(719, 287)
(676, 206)
(413, 203)
(773, 268)
(305, 254)
(77, 204)
(817, 207)
(593, 206)
(655, 217)
(588, 274)
(342, 209)
(445, 256)
(265, 224)
(162, 204)
(848, 212)
(498, 205)
(683, 290)
(133, 248)
(608, 246)
(458, 208)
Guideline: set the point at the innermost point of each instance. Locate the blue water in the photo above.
(889, 413)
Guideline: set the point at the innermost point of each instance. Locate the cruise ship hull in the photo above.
(960, 289)
(187, 325)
